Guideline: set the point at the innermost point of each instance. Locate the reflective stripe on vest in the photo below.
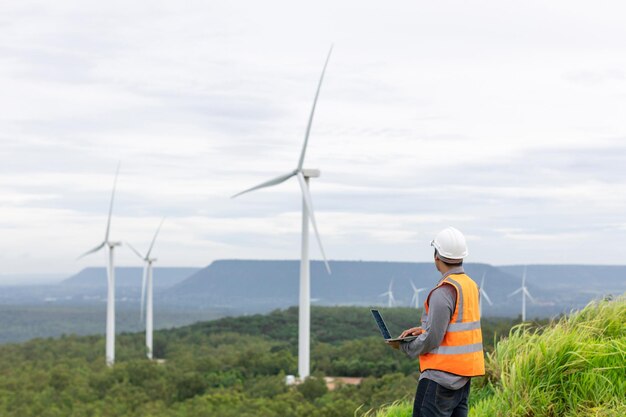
(461, 350)
(453, 350)
(459, 327)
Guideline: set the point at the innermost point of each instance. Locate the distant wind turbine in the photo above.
(483, 294)
(108, 244)
(389, 294)
(416, 295)
(303, 176)
(525, 294)
(146, 290)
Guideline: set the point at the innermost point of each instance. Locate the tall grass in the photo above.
(574, 367)
(396, 409)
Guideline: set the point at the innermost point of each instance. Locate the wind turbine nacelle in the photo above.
(113, 244)
(311, 173)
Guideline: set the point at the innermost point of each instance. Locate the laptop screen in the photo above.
(381, 324)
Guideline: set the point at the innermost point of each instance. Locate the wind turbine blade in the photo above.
(529, 296)
(154, 238)
(144, 281)
(308, 127)
(482, 281)
(135, 250)
(309, 205)
(413, 286)
(484, 294)
(383, 294)
(96, 249)
(106, 235)
(515, 292)
(269, 183)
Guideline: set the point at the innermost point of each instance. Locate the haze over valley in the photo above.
(76, 304)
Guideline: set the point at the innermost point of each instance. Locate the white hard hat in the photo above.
(450, 244)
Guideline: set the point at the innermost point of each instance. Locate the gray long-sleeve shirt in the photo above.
(441, 307)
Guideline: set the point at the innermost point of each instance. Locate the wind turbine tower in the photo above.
(483, 294)
(147, 290)
(416, 295)
(110, 245)
(525, 294)
(389, 294)
(303, 176)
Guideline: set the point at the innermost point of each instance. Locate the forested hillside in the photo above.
(228, 367)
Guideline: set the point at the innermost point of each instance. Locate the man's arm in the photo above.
(441, 307)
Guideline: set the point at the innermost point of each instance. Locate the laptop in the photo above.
(383, 329)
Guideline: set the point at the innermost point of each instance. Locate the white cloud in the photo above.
(504, 119)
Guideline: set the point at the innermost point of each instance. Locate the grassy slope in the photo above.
(574, 367)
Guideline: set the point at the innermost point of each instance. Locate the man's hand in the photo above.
(394, 344)
(413, 331)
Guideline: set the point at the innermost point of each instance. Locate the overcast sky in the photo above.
(504, 119)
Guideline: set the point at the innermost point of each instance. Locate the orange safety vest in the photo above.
(461, 351)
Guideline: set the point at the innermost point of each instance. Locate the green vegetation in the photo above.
(24, 322)
(574, 367)
(229, 367)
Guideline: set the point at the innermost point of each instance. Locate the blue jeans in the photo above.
(433, 400)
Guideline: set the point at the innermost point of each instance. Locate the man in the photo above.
(449, 342)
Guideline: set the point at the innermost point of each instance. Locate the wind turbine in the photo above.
(146, 290)
(108, 244)
(416, 294)
(483, 293)
(525, 294)
(389, 293)
(303, 176)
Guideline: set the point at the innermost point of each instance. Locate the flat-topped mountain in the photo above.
(254, 284)
(128, 276)
(249, 286)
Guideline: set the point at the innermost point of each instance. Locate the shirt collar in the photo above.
(456, 270)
